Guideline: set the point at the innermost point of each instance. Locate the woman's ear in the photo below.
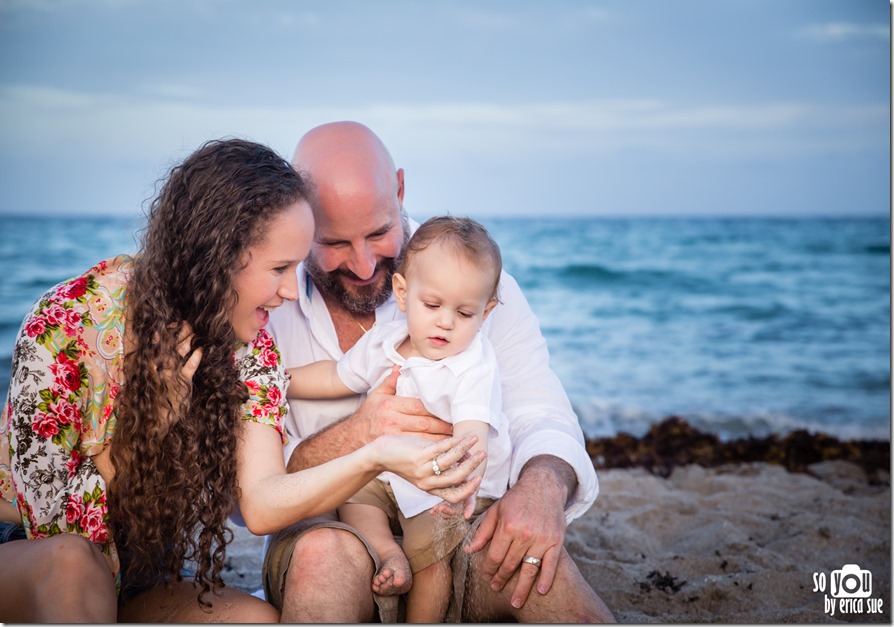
(399, 287)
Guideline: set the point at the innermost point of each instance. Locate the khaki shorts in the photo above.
(280, 545)
(425, 539)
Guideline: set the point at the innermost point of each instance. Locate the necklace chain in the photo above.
(363, 328)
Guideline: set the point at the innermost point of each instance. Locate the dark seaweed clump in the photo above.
(674, 442)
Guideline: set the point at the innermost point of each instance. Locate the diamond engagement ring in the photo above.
(532, 560)
(435, 467)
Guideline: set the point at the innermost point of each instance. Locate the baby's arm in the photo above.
(318, 380)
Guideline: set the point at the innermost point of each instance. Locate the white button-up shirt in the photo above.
(465, 386)
(539, 414)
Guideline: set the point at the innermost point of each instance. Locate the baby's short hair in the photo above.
(468, 237)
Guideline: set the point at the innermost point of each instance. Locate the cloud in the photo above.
(832, 32)
(170, 121)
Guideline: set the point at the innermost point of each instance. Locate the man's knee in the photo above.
(328, 579)
(333, 557)
(327, 545)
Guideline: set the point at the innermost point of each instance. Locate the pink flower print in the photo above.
(72, 465)
(263, 340)
(55, 315)
(260, 410)
(45, 426)
(93, 523)
(35, 327)
(269, 358)
(67, 373)
(274, 395)
(74, 289)
(67, 413)
(72, 322)
(74, 509)
(254, 388)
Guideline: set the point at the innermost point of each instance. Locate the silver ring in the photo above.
(532, 560)
(435, 467)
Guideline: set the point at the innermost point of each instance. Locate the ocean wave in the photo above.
(588, 276)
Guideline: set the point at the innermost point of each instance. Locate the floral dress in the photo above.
(67, 370)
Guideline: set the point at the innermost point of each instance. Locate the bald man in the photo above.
(321, 570)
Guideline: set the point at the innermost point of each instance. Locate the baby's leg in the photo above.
(394, 575)
(428, 598)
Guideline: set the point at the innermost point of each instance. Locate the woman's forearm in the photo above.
(338, 439)
(271, 499)
(280, 499)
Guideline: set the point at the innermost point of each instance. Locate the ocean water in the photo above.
(742, 326)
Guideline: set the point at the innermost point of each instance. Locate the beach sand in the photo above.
(736, 542)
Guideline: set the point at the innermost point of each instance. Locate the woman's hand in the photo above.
(180, 386)
(412, 458)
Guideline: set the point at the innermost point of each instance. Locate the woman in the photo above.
(146, 401)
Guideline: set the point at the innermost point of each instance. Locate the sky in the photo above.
(493, 108)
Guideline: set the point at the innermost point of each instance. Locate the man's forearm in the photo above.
(554, 476)
(338, 439)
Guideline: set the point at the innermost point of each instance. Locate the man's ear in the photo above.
(399, 287)
(489, 307)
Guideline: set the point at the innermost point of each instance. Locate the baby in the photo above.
(447, 286)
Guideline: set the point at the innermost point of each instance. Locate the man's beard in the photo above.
(358, 300)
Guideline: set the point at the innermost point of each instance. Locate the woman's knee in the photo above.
(67, 554)
(63, 577)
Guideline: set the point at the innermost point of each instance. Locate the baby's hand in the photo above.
(451, 510)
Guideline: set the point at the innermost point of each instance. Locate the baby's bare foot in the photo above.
(394, 577)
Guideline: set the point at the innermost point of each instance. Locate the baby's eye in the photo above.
(465, 314)
(431, 305)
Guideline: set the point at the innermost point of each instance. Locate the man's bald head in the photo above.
(346, 159)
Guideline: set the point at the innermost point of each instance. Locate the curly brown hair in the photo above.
(174, 448)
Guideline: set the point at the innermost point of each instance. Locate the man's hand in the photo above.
(529, 520)
(384, 413)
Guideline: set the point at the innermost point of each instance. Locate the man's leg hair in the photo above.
(570, 599)
(329, 579)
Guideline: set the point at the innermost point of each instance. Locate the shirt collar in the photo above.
(457, 364)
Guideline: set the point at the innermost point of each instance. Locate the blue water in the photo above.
(742, 326)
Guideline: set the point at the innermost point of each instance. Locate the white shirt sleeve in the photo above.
(356, 368)
(541, 419)
(477, 397)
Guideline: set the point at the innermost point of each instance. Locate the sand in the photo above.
(735, 543)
